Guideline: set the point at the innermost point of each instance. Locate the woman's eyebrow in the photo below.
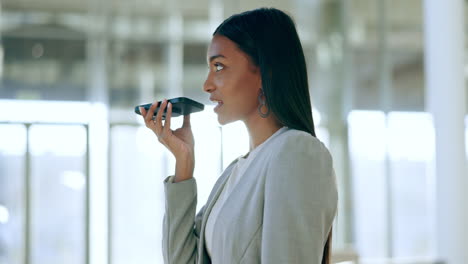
(216, 56)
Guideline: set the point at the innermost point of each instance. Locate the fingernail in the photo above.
(169, 105)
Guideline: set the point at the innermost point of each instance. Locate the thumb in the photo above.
(186, 121)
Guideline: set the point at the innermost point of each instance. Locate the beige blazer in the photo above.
(280, 212)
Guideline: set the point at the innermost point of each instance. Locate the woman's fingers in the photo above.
(176, 141)
(149, 114)
(155, 123)
(144, 114)
(186, 121)
(160, 112)
(167, 124)
(158, 121)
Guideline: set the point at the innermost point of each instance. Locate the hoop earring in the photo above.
(262, 103)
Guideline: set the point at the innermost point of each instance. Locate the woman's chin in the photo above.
(224, 121)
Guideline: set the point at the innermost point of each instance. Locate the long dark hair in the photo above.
(269, 37)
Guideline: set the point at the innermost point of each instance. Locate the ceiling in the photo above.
(145, 25)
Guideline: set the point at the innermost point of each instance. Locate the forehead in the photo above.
(221, 45)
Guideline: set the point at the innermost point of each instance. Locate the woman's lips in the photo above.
(218, 106)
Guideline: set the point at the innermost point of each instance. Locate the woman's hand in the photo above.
(179, 142)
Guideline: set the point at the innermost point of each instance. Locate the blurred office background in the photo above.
(81, 177)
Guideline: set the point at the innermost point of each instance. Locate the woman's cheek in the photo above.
(219, 81)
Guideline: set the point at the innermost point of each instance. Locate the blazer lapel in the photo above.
(218, 188)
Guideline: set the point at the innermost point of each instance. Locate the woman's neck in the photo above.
(261, 129)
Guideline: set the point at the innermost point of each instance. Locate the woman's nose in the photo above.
(208, 86)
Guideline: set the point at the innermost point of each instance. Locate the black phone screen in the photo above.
(180, 106)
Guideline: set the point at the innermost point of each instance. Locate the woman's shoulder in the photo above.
(294, 139)
(303, 159)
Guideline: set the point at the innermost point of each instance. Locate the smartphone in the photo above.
(180, 106)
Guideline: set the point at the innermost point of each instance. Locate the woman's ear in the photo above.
(257, 71)
(259, 77)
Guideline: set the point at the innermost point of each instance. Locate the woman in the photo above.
(277, 203)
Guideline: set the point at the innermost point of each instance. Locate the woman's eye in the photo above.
(218, 67)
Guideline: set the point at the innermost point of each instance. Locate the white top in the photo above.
(236, 174)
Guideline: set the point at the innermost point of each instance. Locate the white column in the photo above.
(386, 98)
(1, 46)
(98, 94)
(146, 77)
(175, 55)
(445, 100)
(231, 7)
(216, 13)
